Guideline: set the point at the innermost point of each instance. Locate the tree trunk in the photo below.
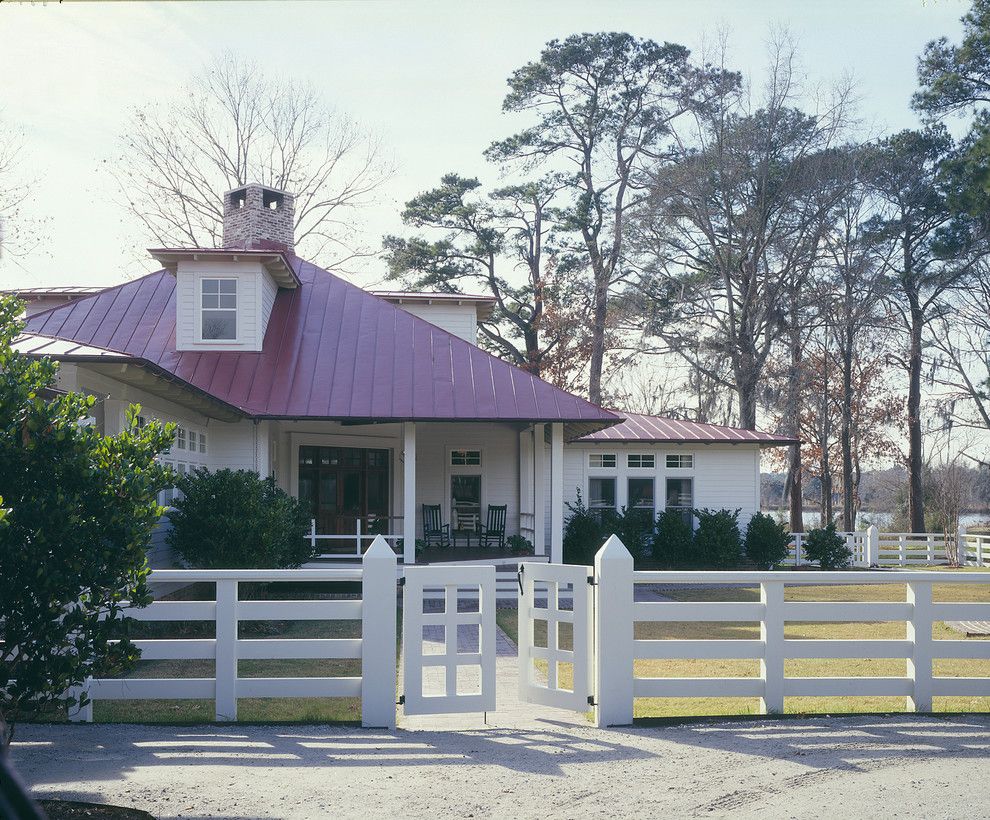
(916, 509)
(793, 427)
(598, 340)
(848, 510)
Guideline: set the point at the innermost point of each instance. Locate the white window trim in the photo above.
(200, 310)
(692, 456)
(451, 470)
(591, 466)
(642, 477)
(652, 466)
(615, 483)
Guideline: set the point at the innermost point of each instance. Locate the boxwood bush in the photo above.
(235, 520)
(826, 547)
(767, 541)
(717, 541)
(673, 540)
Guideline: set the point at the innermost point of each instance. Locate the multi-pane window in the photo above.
(202, 442)
(192, 441)
(465, 458)
(680, 497)
(640, 494)
(219, 309)
(180, 438)
(641, 460)
(601, 495)
(601, 460)
(680, 461)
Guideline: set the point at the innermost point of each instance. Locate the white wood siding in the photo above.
(255, 296)
(460, 320)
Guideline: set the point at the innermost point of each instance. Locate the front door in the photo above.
(465, 502)
(343, 485)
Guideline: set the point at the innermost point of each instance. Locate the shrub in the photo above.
(673, 540)
(827, 548)
(235, 520)
(77, 511)
(518, 545)
(767, 541)
(717, 541)
(634, 528)
(582, 533)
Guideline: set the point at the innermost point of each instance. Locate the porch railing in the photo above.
(357, 540)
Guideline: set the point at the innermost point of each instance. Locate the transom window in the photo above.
(680, 461)
(641, 460)
(219, 309)
(465, 458)
(601, 460)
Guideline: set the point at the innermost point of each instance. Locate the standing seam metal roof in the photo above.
(331, 350)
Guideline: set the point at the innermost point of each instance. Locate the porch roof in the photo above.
(640, 427)
(331, 351)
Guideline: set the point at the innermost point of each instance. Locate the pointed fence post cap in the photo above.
(380, 550)
(613, 550)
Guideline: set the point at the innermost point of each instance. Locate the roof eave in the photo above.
(276, 262)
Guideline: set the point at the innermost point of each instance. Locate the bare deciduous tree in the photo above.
(236, 125)
(18, 231)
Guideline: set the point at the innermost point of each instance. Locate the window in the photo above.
(465, 458)
(180, 438)
(601, 495)
(202, 442)
(680, 497)
(465, 502)
(641, 460)
(640, 494)
(192, 440)
(680, 461)
(601, 460)
(219, 309)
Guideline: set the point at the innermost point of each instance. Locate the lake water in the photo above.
(882, 519)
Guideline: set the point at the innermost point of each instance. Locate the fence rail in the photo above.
(358, 539)
(870, 547)
(618, 649)
(375, 649)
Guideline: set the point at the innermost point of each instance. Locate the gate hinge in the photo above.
(591, 700)
(401, 701)
(402, 581)
(592, 582)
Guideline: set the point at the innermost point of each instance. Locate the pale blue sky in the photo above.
(428, 76)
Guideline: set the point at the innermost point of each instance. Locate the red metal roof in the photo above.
(331, 350)
(639, 427)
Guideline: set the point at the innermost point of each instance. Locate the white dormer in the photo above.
(224, 298)
(457, 313)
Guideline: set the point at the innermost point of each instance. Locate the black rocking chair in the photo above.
(493, 532)
(435, 534)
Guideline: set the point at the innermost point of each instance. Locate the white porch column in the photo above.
(409, 492)
(557, 493)
(539, 491)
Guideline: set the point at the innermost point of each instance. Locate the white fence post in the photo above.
(81, 714)
(312, 533)
(226, 646)
(378, 612)
(919, 632)
(872, 546)
(357, 536)
(772, 635)
(614, 634)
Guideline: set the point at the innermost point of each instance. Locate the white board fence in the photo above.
(375, 648)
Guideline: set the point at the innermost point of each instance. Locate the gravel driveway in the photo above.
(852, 767)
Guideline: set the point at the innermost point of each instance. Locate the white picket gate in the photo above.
(451, 609)
(558, 597)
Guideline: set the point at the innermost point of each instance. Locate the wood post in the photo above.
(378, 635)
(614, 634)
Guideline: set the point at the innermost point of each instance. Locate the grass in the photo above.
(854, 667)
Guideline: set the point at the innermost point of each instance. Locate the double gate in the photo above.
(449, 638)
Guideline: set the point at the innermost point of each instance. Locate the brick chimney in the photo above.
(256, 215)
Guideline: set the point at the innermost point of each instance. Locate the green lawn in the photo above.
(671, 707)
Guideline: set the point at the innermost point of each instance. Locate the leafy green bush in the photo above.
(77, 509)
(827, 548)
(673, 540)
(518, 545)
(635, 529)
(236, 520)
(582, 533)
(717, 541)
(767, 541)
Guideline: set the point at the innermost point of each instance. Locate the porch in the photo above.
(365, 479)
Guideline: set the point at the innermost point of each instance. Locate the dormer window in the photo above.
(219, 309)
